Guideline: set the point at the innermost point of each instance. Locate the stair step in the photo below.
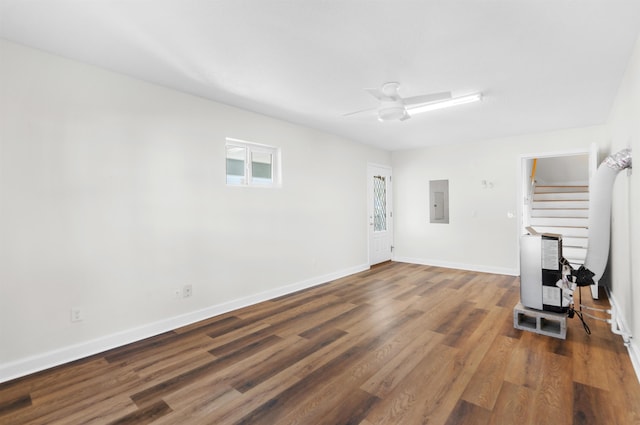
(562, 196)
(569, 213)
(560, 188)
(575, 242)
(564, 231)
(574, 253)
(575, 263)
(559, 221)
(563, 209)
(560, 204)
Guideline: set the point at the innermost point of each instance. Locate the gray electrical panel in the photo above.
(439, 201)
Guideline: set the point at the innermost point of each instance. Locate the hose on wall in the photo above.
(600, 215)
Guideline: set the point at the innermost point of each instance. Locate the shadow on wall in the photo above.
(563, 170)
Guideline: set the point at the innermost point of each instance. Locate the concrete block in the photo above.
(541, 322)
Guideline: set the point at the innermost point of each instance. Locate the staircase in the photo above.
(563, 210)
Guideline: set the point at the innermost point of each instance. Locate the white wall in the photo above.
(481, 236)
(623, 129)
(113, 195)
(572, 169)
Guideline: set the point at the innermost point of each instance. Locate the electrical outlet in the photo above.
(177, 293)
(187, 291)
(76, 315)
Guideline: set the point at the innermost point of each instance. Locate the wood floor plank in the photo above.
(50, 406)
(198, 400)
(431, 296)
(468, 360)
(171, 369)
(525, 364)
(341, 321)
(486, 383)
(253, 376)
(127, 352)
(506, 327)
(309, 320)
(258, 337)
(286, 308)
(463, 326)
(554, 393)
(145, 415)
(589, 361)
(466, 413)
(443, 305)
(153, 393)
(350, 409)
(56, 408)
(293, 399)
(589, 406)
(414, 399)
(359, 332)
(222, 404)
(398, 344)
(513, 406)
(11, 405)
(101, 412)
(510, 297)
(174, 359)
(394, 371)
(58, 377)
(371, 296)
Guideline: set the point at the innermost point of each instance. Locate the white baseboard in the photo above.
(627, 337)
(634, 354)
(459, 266)
(39, 362)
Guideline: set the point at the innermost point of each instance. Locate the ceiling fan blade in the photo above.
(362, 111)
(393, 107)
(381, 96)
(427, 98)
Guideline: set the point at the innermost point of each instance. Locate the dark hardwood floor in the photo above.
(399, 344)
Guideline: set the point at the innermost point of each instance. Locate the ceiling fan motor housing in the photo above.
(391, 90)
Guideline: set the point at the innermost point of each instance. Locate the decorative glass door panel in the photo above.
(379, 204)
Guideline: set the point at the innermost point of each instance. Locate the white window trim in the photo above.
(250, 147)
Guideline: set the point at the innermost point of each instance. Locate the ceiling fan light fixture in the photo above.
(393, 107)
(454, 101)
(394, 113)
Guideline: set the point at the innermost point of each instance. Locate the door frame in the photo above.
(369, 191)
(523, 178)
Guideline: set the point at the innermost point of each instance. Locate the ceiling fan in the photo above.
(393, 107)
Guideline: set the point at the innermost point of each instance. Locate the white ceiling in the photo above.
(542, 64)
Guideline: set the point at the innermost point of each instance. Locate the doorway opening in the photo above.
(555, 199)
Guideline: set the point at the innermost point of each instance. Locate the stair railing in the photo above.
(530, 192)
(532, 180)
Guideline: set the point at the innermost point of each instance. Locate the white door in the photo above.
(380, 214)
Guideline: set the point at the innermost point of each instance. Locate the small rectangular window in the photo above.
(252, 164)
(236, 159)
(261, 167)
